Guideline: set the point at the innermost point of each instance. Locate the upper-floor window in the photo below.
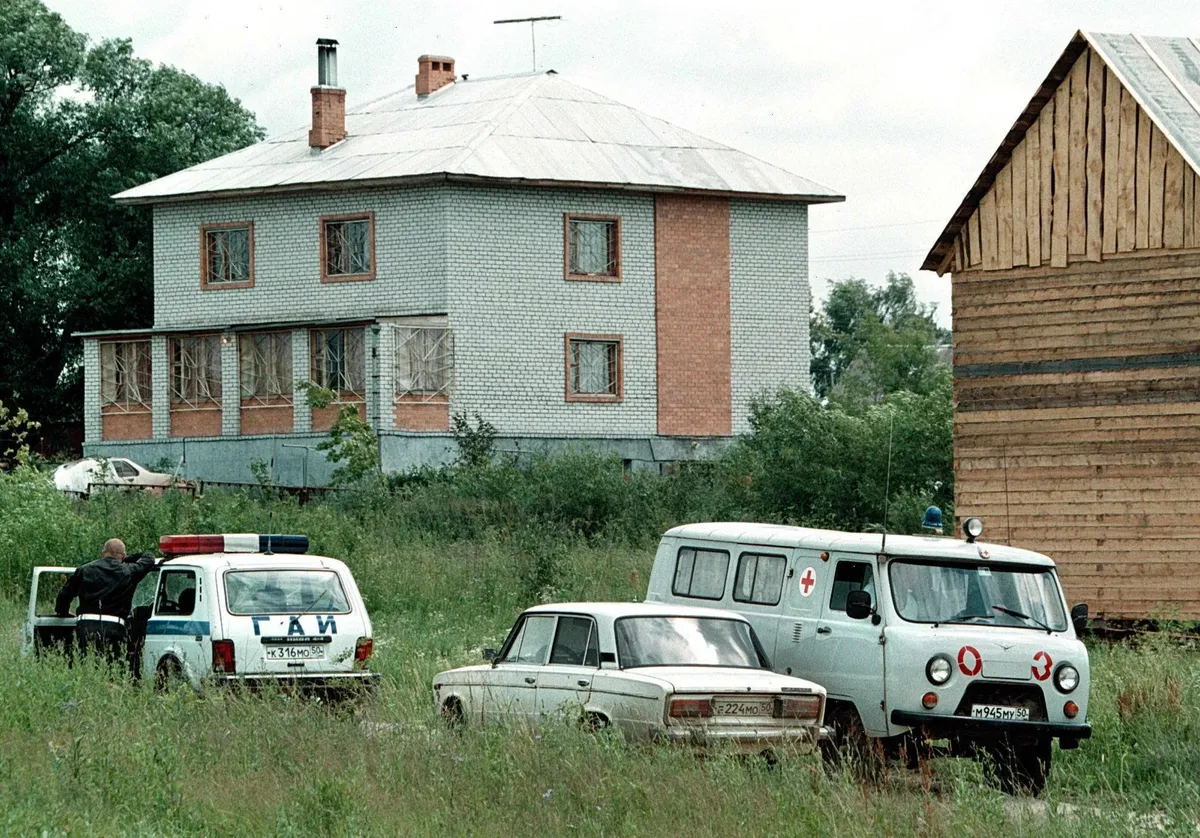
(339, 361)
(196, 370)
(593, 247)
(125, 373)
(424, 362)
(594, 368)
(227, 255)
(348, 247)
(265, 359)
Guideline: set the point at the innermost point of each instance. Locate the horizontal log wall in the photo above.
(1093, 178)
(1077, 423)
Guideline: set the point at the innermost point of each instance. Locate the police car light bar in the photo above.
(185, 545)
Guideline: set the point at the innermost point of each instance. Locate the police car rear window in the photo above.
(251, 592)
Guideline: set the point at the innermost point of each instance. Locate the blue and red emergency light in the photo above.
(187, 545)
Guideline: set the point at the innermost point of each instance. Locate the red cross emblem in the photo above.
(808, 581)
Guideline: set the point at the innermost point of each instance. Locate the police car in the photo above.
(918, 640)
(651, 672)
(233, 608)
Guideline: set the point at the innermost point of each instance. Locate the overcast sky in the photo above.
(896, 105)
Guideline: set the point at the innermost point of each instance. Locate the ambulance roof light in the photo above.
(184, 545)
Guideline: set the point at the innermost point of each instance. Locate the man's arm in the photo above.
(70, 590)
(143, 563)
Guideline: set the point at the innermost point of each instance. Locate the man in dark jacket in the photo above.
(105, 589)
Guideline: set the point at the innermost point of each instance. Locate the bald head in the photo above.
(115, 548)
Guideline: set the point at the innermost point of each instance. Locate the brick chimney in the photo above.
(328, 100)
(433, 73)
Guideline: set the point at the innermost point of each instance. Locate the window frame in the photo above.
(121, 388)
(834, 590)
(340, 396)
(616, 275)
(161, 590)
(205, 229)
(369, 217)
(618, 367)
(404, 337)
(737, 576)
(288, 395)
(518, 634)
(590, 661)
(178, 400)
(692, 576)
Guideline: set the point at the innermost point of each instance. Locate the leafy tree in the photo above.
(869, 342)
(81, 122)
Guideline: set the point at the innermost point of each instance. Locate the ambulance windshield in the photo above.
(284, 592)
(1014, 596)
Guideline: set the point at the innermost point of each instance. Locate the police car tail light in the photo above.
(806, 707)
(690, 708)
(186, 545)
(362, 651)
(223, 659)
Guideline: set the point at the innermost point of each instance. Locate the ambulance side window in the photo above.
(700, 574)
(759, 578)
(176, 593)
(851, 576)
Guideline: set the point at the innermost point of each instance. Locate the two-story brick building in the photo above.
(570, 269)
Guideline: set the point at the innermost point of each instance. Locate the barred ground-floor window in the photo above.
(339, 362)
(125, 374)
(195, 370)
(265, 366)
(424, 362)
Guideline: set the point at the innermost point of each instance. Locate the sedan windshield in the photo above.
(285, 592)
(1022, 596)
(685, 641)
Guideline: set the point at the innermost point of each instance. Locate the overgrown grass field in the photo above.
(444, 574)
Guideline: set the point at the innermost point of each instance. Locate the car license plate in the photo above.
(735, 707)
(995, 711)
(295, 653)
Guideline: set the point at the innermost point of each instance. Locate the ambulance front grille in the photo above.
(797, 630)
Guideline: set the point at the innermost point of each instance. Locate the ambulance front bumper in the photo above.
(321, 684)
(941, 726)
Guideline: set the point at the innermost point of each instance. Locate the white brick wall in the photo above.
(409, 259)
(93, 423)
(510, 306)
(231, 386)
(301, 371)
(160, 382)
(769, 301)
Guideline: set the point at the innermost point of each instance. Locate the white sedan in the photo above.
(651, 671)
(81, 476)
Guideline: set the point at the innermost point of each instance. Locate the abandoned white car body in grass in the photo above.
(81, 476)
(651, 671)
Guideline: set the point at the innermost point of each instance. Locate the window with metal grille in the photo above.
(196, 370)
(125, 373)
(593, 247)
(594, 368)
(265, 360)
(348, 247)
(228, 255)
(424, 362)
(339, 361)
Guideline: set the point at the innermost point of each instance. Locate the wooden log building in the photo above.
(1075, 263)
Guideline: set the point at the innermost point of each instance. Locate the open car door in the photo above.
(43, 628)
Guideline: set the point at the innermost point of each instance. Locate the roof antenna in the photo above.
(532, 21)
(887, 484)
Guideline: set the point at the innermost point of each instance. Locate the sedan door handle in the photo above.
(824, 630)
(531, 680)
(583, 683)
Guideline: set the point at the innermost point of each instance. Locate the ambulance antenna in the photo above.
(887, 483)
(1007, 516)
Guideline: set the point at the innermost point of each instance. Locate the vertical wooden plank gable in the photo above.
(1062, 142)
(1158, 165)
(1019, 237)
(987, 229)
(1046, 129)
(974, 241)
(1112, 143)
(1077, 160)
(1142, 181)
(1189, 207)
(1033, 192)
(1126, 168)
(1004, 213)
(1095, 158)
(1173, 200)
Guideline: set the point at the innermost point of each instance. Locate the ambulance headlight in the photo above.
(1066, 678)
(938, 670)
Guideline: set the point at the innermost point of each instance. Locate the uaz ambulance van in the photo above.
(916, 639)
(235, 608)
